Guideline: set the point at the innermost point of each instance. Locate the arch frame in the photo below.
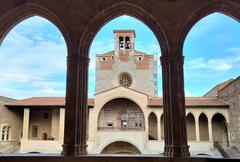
(25, 11)
(120, 140)
(228, 8)
(119, 9)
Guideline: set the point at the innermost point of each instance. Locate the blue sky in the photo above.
(33, 55)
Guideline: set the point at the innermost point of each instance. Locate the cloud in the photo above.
(214, 64)
(33, 60)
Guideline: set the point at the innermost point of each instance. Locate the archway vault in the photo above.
(120, 147)
(18, 14)
(115, 10)
(228, 8)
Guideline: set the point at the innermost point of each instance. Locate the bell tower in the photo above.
(124, 42)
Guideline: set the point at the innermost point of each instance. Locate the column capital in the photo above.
(83, 59)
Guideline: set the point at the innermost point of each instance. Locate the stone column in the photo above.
(197, 131)
(210, 131)
(159, 129)
(175, 132)
(54, 124)
(61, 125)
(26, 116)
(76, 106)
(146, 128)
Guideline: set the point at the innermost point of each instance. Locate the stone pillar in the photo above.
(54, 124)
(146, 128)
(210, 131)
(175, 132)
(76, 106)
(197, 131)
(61, 125)
(159, 129)
(26, 117)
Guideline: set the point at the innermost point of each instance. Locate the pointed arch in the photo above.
(203, 127)
(191, 127)
(228, 8)
(16, 15)
(219, 129)
(115, 10)
(152, 126)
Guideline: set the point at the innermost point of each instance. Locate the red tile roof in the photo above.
(191, 102)
(152, 102)
(43, 101)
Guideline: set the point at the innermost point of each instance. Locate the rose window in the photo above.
(125, 80)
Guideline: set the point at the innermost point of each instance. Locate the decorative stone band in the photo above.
(171, 58)
(78, 58)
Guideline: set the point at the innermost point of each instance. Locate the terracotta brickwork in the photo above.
(143, 61)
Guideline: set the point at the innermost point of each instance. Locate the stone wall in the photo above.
(141, 71)
(231, 94)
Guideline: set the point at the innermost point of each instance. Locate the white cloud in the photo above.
(32, 63)
(215, 64)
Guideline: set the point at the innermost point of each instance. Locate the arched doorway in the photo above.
(121, 114)
(191, 129)
(203, 127)
(219, 129)
(152, 127)
(120, 147)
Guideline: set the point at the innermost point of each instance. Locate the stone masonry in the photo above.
(140, 67)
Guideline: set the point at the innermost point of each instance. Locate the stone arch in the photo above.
(120, 147)
(121, 114)
(203, 127)
(23, 12)
(152, 126)
(219, 129)
(115, 10)
(191, 127)
(228, 8)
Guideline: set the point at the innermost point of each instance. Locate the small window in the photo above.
(34, 131)
(46, 115)
(8, 132)
(3, 133)
(112, 57)
(127, 42)
(121, 43)
(110, 124)
(139, 58)
(104, 59)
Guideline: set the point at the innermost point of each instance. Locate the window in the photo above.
(127, 42)
(110, 124)
(5, 133)
(125, 80)
(34, 131)
(121, 43)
